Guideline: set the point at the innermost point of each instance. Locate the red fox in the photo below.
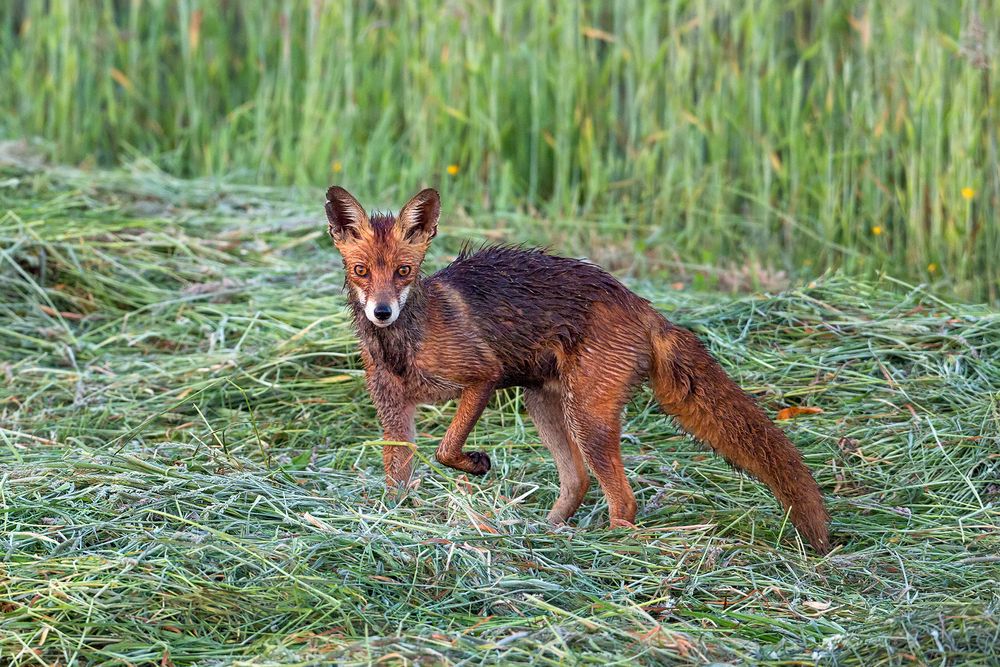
(577, 340)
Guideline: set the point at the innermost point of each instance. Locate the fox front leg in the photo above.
(395, 415)
(450, 452)
(398, 459)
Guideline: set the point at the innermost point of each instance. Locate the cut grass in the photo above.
(188, 474)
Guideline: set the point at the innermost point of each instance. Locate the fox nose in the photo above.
(382, 312)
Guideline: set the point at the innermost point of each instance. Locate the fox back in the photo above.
(533, 308)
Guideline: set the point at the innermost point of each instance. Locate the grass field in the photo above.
(189, 477)
(190, 471)
(854, 135)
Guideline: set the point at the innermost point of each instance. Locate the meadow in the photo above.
(190, 468)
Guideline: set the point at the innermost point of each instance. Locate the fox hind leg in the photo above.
(545, 408)
(600, 441)
(593, 415)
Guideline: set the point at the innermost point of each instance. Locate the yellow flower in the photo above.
(968, 193)
(876, 230)
(452, 169)
(336, 167)
(932, 267)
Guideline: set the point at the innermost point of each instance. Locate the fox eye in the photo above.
(360, 270)
(403, 271)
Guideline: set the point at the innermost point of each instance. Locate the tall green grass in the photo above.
(804, 135)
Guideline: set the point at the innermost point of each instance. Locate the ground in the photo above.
(189, 468)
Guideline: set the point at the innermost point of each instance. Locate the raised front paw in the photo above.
(480, 463)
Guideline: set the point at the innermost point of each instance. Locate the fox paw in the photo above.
(480, 463)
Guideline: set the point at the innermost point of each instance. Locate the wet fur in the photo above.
(578, 341)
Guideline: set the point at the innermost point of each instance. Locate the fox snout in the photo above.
(382, 313)
(382, 309)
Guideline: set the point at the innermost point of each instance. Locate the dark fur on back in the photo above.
(524, 294)
(524, 301)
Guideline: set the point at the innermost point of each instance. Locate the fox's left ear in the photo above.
(418, 221)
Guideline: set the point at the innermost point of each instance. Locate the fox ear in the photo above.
(418, 221)
(346, 216)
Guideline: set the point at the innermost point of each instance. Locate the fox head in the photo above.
(382, 254)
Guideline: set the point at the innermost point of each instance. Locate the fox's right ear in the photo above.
(346, 216)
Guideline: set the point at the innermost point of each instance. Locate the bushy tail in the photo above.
(690, 385)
